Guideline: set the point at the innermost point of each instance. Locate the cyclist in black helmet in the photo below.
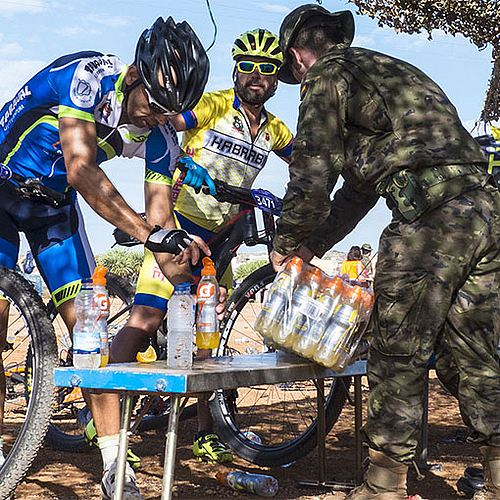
(79, 111)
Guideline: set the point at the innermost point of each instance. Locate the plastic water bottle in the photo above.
(180, 323)
(331, 351)
(102, 299)
(207, 295)
(269, 320)
(260, 484)
(326, 304)
(307, 285)
(86, 337)
(304, 307)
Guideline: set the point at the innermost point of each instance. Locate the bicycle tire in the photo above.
(37, 335)
(56, 437)
(283, 439)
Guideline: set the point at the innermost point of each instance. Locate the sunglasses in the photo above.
(156, 107)
(265, 68)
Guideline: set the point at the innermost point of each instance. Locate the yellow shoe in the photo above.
(211, 449)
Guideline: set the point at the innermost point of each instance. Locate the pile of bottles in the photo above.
(315, 315)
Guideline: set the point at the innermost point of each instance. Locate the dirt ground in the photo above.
(65, 476)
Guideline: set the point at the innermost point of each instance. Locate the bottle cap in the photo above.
(182, 287)
(356, 293)
(208, 267)
(295, 264)
(316, 274)
(99, 276)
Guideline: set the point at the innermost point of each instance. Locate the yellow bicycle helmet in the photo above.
(259, 43)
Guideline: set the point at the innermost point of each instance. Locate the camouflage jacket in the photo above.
(364, 116)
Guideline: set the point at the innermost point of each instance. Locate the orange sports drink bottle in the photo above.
(207, 323)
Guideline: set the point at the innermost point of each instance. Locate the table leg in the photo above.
(121, 461)
(320, 390)
(170, 448)
(358, 421)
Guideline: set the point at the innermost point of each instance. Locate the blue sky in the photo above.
(34, 32)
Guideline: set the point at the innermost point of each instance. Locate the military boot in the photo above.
(385, 479)
(491, 466)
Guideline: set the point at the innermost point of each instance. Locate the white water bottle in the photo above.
(180, 322)
(86, 335)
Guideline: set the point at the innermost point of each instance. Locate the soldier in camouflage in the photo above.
(390, 131)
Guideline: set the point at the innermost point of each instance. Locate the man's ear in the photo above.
(132, 74)
(298, 59)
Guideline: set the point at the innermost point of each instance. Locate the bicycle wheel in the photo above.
(275, 424)
(70, 414)
(29, 388)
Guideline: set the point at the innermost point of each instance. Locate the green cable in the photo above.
(214, 24)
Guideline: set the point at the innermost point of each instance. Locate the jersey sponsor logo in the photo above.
(238, 124)
(82, 93)
(98, 65)
(236, 149)
(24, 93)
(106, 111)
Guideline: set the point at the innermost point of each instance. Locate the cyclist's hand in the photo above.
(172, 241)
(196, 175)
(193, 251)
(220, 308)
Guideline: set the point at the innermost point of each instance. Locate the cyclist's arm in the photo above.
(178, 122)
(79, 146)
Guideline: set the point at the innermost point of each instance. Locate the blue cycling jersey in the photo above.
(87, 86)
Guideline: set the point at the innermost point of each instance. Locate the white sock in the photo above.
(2, 458)
(109, 449)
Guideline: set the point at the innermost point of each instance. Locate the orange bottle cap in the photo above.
(208, 267)
(99, 276)
(316, 274)
(295, 264)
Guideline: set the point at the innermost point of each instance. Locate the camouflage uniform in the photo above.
(389, 130)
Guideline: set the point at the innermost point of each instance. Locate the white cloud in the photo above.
(10, 7)
(70, 31)
(13, 74)
(273, 7)
(110, 21)
(10, 50)
(360, 40)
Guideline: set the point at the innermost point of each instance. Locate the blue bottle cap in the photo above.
(183, 288)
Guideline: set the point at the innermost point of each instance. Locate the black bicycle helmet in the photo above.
(168, 49)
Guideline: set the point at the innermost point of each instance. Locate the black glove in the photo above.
(167, 240)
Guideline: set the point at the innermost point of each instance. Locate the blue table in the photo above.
(207, 375)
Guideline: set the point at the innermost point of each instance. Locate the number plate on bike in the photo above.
(267, 202)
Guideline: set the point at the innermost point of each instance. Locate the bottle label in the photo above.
(86, 342)
(102, 302)
(207, 316)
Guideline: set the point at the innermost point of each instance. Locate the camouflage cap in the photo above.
(366, 246)
(292, 23)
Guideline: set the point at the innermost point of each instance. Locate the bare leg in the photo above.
(141, 325)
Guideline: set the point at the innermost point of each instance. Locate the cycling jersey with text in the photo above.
(87, 86)
(218, 137)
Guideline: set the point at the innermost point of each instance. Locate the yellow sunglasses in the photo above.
(265, 68)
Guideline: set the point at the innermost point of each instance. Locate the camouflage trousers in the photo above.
(437, 291)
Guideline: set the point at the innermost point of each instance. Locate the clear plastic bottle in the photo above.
(304, 290)
(207, 295)
(269, 320)
(86, 338)
(102, 299)
(327, 302)
(331, 348)
(260, 484)
(180, 322)
(304, 307)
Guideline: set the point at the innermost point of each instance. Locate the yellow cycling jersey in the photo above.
(218, 137)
